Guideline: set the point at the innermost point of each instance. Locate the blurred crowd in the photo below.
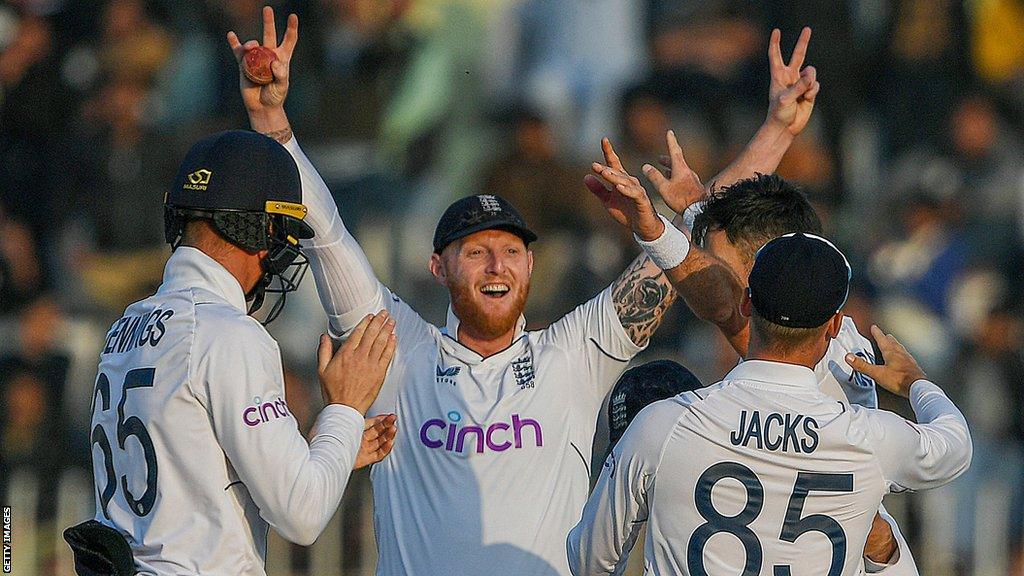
(913, 157)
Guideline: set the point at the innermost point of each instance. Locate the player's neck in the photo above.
(482, 345)
(804, 356)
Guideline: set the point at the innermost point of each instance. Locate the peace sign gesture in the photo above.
(623, 196)
(793, 90)
(259, 99)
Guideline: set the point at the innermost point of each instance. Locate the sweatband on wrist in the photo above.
(691, 213)
(668, 250)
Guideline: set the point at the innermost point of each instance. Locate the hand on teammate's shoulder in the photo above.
(354, 374)
(900, 369)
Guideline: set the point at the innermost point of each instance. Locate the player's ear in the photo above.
(746, 306)
(835, 325)
(437, 268)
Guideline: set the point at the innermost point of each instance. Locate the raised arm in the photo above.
(345, 280)
(706, 284)
(644, 291)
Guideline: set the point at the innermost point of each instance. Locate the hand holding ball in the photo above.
(256, 65)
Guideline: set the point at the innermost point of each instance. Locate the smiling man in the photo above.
(496, 424)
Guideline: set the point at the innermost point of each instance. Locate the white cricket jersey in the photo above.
(762, 474)
(491, 466)
(194, 449)
(837, 379)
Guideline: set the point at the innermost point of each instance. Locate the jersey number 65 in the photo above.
(126, 427)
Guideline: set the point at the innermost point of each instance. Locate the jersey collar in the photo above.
(777, 373)
(451, 330)
(191, 268)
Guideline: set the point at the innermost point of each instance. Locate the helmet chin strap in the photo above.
(258, 294)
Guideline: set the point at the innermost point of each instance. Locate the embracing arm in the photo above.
(345, 281)
(644, 292)
(707, 285)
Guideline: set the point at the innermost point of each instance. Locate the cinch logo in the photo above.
(498, 437)
(261, 411)
(198, 180)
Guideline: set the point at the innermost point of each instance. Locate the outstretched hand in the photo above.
(261, 99)
(378, 439)
(793, 88)
(680, 187)
(623, 196)
(900, 369)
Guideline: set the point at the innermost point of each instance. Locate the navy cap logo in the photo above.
(198, 180)
(489, 203)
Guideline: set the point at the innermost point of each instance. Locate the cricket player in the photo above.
(764, 473)
(730, 224)
(492, 466)
(195, 452)
(638, 387)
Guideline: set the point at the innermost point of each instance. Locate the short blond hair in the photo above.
(777, 337)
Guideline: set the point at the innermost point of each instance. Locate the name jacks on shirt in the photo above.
(776, 432)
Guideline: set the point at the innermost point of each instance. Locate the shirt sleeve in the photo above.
(345, 281)
(927, 454)
(593, 335)
(902, 562)
(297, 486)
(858, 388)
(618, 507)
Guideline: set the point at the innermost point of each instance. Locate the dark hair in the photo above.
(755, 210)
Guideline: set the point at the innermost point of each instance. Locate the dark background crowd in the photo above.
(914, 157)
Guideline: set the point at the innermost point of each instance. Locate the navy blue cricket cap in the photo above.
(642, 385)
(475, 213)
(238, 170)
(799, 281)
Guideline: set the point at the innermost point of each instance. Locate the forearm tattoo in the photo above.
(641, 296)
(283, 135)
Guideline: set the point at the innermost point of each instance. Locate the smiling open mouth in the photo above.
(495, 290)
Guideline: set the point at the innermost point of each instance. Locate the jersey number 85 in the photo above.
(739, 525)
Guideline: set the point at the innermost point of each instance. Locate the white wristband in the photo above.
(668, 250)
(691, 213)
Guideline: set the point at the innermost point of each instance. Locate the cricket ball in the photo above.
(256, 65)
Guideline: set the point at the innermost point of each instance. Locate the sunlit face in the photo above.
(488, 277)
(717, 242)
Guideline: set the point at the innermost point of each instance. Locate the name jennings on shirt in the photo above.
(775, 432)
(133, 331)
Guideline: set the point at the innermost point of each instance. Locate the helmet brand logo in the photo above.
(198, 180)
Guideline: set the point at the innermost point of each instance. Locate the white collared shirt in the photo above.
(762, 471)
(491, 466)
(194, 449)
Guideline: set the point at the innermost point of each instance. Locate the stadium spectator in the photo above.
(990, 373)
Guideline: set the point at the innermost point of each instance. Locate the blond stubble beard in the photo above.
(483, 324)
